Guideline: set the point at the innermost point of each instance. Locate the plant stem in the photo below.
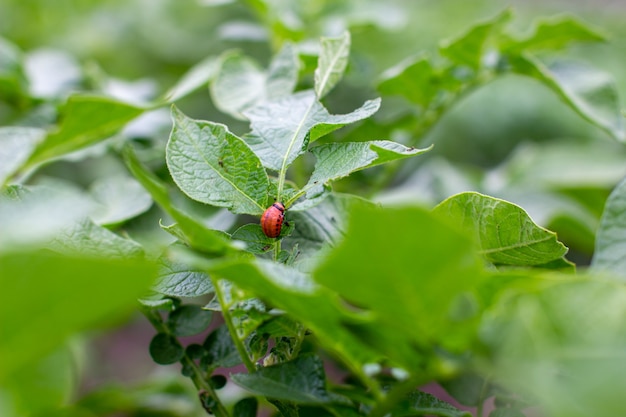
(231, 329)
(197, 376)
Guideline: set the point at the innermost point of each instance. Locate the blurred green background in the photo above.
(512, 138)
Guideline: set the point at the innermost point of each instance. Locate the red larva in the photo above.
(272, 220)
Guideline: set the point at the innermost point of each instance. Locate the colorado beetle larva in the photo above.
(272, 220)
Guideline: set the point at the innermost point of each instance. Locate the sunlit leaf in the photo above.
(338, 160)
(85, 120)
(504, 231)
(588, 91)
(196, 77)
(213, 166)
(240, 84)
(16, 146)
(196, 233)
(283, 128)
(120, 198)
(332, 62)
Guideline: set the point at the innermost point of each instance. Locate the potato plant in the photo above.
(358, 302)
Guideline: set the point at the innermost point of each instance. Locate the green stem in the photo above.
(276, 250)
(197, 376)
(231, 328)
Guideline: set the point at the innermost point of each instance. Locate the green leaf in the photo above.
(211, 165)
(85, 120)
(469, 49)
(279, 326)
(16, 146)
(588, 91)
(120, 198)
(54, 379)
(554, 33)
(331, 64)
(611, 236)
(505, 233)
(321, 226)
(189, 320)
(65, 294)
(301, 380)
(254, 238)
(179, 280)
(283, 128)
(221, 349)
(338, 160)
(197, 76)
(240, 84)
(246, 407)
(318, 309)
(413, 79)
(506, 412)
(198, 235)
(165, 349)
(561, 342)
(410, 286)
(39, 213)
(419, 403)
(86, 238)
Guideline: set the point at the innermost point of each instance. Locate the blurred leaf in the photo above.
(302, 381)
(120, 197)
(505, 233)
(38, 213)
(45, 384)
(554, 33)
(240, 84)
(506, 412)
(198, 235)
(611, 236)
(338, 160)
(189, 320)
(419, 403)
(179, 280)
(85, 120)
(588, 91)
(469, 49)
(412, 79)
(331, 64)
(283, 128)
(409, 286)
(564, 341)
(86, 238)
(16, 146)
(196, 77)
(221, 348)
(11, 71)
(165, 349)
(246, 407)
(321, 226)
(65, 294)
(213, 166)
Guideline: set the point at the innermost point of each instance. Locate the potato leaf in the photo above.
(211, 165)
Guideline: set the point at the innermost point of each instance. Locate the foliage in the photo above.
(490, 281)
